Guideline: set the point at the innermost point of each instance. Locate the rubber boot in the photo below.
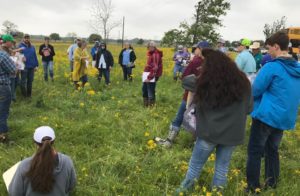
(173, 132)
(151, 102)
(146, 102)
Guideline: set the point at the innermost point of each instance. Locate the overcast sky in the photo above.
(145, 18)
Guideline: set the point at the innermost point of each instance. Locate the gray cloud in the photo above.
(145, 18)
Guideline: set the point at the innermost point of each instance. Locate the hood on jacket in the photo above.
(290, 65)
(155, 51)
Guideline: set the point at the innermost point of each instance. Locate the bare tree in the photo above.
(270, 29)
(71, 35)
(9, 27)
(101, 14)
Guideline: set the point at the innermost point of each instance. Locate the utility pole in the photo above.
(123, 31)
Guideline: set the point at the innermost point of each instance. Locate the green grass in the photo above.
(106, 136)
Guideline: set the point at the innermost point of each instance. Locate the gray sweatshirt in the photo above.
(227, 125)
(65, 179)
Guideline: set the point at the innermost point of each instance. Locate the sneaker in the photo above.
(163, 142)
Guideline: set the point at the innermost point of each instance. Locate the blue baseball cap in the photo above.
(203, 44)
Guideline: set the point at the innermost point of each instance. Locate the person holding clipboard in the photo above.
(152, 72)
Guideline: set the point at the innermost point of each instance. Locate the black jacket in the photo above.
(109, 60)
(132, 57)
(51, 51)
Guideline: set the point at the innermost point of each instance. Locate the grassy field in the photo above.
(106, 131)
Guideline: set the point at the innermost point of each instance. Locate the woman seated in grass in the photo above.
(48, 172)
(223, 100)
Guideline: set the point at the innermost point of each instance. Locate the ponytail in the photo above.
(41, 169)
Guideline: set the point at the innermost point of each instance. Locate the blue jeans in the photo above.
(202, 150)
(27, 76)
(127, 71)
(177, 69)
(5, 100)
(176, 123)
(13, 88)
(71, 65)
(149, 90)
(106, 74)
(264, 141)
(48, 67)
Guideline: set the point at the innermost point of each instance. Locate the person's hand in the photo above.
(35, 69)
(110, 68)
(147, 80)
(24, 59)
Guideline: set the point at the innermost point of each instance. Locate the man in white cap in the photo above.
(256, 54)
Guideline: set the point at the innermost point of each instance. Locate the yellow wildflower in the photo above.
(151, 144)
(208, 193)
(146, 134)
(212, 157)
(91, 92)
(257, 190)
(81, 104)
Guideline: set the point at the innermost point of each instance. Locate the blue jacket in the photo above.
(30, 55)
(93, 51)
(276, 93)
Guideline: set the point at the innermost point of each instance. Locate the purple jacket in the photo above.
(180, 56)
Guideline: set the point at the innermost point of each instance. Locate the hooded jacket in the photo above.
(30, 55)
(109, 60)
(154, 64)
(276, 93)
(65, 178)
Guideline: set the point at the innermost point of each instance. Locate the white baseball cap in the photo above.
(43, 131)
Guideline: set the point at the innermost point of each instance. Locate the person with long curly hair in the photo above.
(223, 100)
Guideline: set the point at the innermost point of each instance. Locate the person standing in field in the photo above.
(95, 48)
(104, 63)
(126, 61)
(256, 54)
(181, 58)
(223, 100)
(194, 67)
(7, 68)
(47, 52)
(221, 46)
(153, 71)
(276, 102)
(70, 52)
(47, 172)
(244, 60)
(81, 57)
(31, 65)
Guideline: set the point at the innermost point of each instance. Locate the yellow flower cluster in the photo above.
(151, 144)
(184, 166)
(91, 92)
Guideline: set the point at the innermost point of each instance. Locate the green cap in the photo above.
(7, 38)
(246, 42)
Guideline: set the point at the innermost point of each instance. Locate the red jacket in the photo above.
(154, 64)
(192, 68)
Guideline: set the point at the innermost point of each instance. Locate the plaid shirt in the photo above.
(7, 67)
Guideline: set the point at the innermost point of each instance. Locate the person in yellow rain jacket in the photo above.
(79, 73)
